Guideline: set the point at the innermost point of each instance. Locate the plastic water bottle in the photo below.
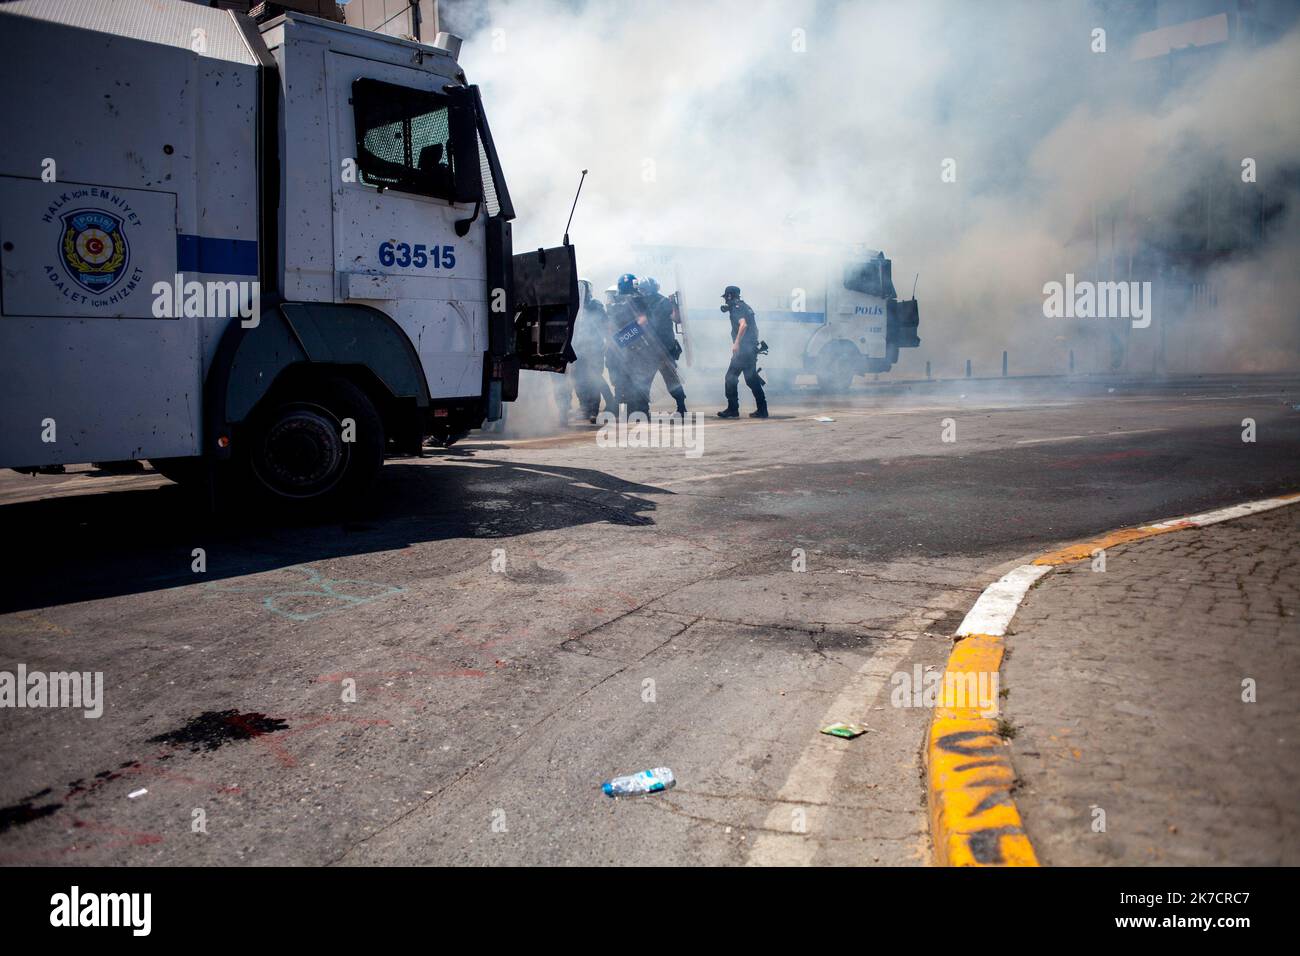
(647, 781)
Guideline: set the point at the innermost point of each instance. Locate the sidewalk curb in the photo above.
(969, 776)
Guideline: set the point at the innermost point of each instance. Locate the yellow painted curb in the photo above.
(972, 815)
(969, 777)
(1084, 549)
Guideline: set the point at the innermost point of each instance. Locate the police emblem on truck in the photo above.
(93, 249)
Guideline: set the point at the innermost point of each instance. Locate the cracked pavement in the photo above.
(647, 615)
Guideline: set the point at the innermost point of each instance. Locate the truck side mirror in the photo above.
(462, 121)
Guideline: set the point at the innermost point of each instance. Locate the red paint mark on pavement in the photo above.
(147, 768)
(133, 837)
(275, 742)
(390, 675)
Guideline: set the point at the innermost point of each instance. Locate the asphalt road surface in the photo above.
(449, 677)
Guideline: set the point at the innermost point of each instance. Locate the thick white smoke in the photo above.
(758, 125)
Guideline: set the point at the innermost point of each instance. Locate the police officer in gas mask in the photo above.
(744, 355)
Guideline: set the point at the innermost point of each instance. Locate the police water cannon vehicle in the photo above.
(829, 312)
(260, 255)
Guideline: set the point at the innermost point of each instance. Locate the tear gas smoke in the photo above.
(768, 126)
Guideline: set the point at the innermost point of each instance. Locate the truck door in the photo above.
(546, 304)
(396, 242)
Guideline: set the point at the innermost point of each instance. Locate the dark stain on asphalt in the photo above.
(536, 575)
(26, 810)
(208, 731)
(81, 785)
(88, 786)
(213, 729)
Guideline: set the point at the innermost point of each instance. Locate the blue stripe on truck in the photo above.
(223, 257)
(815, 318)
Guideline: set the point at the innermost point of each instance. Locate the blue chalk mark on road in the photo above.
(314, 586)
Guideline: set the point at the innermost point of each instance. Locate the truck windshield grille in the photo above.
(404, 139)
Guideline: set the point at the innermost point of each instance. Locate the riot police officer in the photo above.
(744, 355)
(660, 310)
(589, 345)
(623, 312)
(659, 322)
(639, 351)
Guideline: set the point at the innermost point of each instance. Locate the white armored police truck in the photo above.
(261, 255)
(830, 312)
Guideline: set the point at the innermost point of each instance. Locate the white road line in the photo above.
(996, 607)
(723, 474)
(1229, 398)
(1039, 441)
(1134, 431)
(937, 408)
(813, 780)
(580, 432)
(1131, 431)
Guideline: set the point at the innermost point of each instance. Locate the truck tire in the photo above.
(295, 457)
(835, 370)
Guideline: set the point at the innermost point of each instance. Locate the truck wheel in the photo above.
(835, 372)
(296, 450)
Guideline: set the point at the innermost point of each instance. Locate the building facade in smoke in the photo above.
(416, 19)
(325, 9)
(1224, 209)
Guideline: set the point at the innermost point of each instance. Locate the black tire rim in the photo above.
(301, 453)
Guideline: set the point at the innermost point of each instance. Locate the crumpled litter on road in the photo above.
(847, 731)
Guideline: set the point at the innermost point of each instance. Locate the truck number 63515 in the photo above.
(402, 255)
